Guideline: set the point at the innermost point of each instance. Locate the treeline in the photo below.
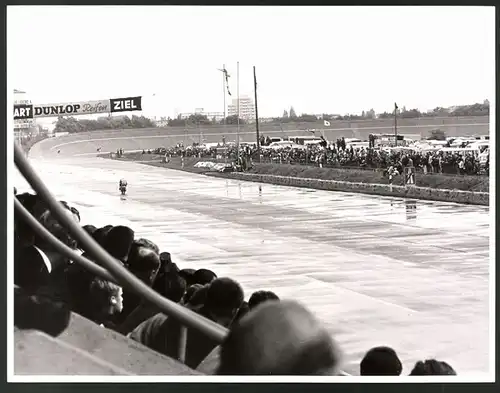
(463, 110)
(200, 119)
(290, 116)
(73, 125)
(458, 111)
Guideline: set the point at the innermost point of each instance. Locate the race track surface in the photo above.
(375, 270)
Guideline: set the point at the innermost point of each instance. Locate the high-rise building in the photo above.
(247, 108)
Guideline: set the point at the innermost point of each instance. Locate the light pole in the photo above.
(256, 112)
(238, 111)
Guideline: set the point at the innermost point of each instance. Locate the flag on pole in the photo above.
(396, 107)
(327, 123)
(226, 75)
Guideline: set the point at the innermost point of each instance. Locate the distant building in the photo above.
(199, 111)
(247, 108)
(161, 122)
(28, 125)
(118, 117)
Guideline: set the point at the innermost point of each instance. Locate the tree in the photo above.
(292, 114)
(72, 125)
(471, 110)
(285, 114)
(371, 114)
(363, 114)
(307, 118)
(198, 119)
(437, 135)
(67, 124)
(233, 120)
(42, 131)
(437, 112)
(411, 114)
(385, 115)
(177, 122)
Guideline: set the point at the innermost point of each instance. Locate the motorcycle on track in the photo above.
(123, 187)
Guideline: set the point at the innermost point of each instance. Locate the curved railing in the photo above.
(112, 270)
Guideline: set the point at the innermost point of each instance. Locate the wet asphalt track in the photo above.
(375, 270)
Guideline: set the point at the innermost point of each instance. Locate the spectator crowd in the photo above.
(267, 335)
(341, 154)
(376, 158)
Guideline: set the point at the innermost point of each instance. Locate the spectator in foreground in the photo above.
(172, 288)
(260, 297)
(144, 263)
(244, 309)
(198, 298)
(279, 338)
(381, 361)
(204, 276)
(190, 291)
(93, 297)
(90, 229)
(160, 333)
(118, 242)
(188, 275)
(32, 268)
(40, 313)
(147, 244)
(432, 367)
(100, 234)
(223, 300)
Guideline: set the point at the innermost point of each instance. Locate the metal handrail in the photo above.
(59, 246)
(113, 271)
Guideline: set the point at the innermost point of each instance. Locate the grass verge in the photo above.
(440, 181)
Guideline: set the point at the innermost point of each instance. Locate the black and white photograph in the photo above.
(250, 194)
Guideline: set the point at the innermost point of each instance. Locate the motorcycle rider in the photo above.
(123, 184)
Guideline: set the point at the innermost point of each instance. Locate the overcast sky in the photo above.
(316, 59)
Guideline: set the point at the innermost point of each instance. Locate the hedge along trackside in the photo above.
(359, 175)
(434, 194)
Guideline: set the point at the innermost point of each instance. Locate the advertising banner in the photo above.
(126, 104)
(67, 109)
(32, 111)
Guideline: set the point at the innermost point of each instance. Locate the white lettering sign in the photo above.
(71, 109)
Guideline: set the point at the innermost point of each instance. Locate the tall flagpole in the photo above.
(256, 112)
(238, 110)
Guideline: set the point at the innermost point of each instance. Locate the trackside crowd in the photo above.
(342, 155)
(266, 333)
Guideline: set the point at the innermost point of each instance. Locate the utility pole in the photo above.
(185, 132)
(256, 112)
(395, 124)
